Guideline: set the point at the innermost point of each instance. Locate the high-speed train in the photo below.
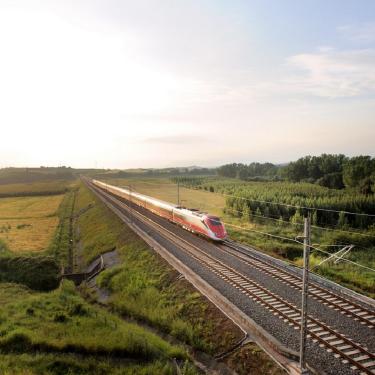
(190, 219)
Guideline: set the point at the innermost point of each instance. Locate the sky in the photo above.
(158, 83)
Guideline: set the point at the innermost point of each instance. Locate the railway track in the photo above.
(339, 345)
(327, 297)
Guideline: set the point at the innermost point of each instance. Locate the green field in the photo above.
(211, 194)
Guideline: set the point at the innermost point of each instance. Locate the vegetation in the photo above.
(39, 273)
(280, 200)
(29, 175)
(152, 172)
(332, 171)
(61, 246)
(35, 188)
(72, 327)
(27, 224)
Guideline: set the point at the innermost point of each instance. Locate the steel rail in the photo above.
(327, 297)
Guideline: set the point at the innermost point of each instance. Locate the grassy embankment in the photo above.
(145, 288)
(57, 332)
(351, 276)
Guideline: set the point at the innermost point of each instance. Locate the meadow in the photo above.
(244, 221)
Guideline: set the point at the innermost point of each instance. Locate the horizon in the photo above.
(155, 85)
(278, 164)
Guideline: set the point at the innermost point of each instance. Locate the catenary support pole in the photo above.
(131, 203)
(178, 193)
(305, 280)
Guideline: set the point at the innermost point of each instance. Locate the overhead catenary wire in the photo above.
(274, 217)
(289, 205)
(301, 243)
(279, 220)
(270, 202)
(300, 207)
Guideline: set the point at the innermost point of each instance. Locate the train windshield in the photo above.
(215, 221)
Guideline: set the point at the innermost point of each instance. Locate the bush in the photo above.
(38, 273)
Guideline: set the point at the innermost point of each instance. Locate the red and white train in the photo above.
(190, 219)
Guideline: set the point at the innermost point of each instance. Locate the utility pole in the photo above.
(305, 291)
(178, 193)
(131, 204)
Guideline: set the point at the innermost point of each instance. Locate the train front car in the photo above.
(216, 227)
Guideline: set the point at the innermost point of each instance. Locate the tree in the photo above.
(332, 181)
(343, 221)
(246, 212)
(297, 218)
(366, 186)
(357, 169)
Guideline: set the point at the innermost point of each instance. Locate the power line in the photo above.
(264, 233)
(274, 218)
(290, 205)
(300, 207)
(301, 243)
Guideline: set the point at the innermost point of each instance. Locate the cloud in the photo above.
(333, 73)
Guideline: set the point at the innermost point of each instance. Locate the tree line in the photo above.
(328, 170)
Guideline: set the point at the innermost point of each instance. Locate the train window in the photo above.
(215, 221)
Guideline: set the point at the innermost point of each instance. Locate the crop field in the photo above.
(211, 194)
(28, 223)
(35, 188)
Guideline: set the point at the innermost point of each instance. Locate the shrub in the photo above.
(38, 273)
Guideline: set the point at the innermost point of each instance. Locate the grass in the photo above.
(72, 327)
(65, 364)
(61, 247)
(27, 224)
(29, 207)
(345, 274)
(36, 272)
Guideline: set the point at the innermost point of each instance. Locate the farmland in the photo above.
(28, 223)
